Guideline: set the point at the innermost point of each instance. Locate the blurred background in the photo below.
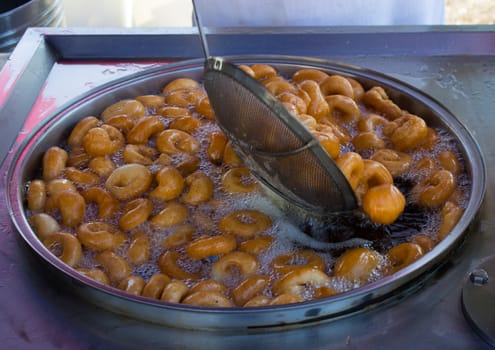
(470, 12)
(177, 13)
(17, 15)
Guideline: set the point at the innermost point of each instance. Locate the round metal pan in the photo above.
(55, 129)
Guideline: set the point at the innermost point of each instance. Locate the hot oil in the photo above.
(288, 236)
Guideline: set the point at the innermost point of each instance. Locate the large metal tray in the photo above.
(55, 129)
(459, 81)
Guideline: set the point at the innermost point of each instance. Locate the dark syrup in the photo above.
(339, 228)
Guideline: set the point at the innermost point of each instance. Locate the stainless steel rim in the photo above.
(28, 154)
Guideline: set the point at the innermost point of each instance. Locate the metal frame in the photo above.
(430, 318)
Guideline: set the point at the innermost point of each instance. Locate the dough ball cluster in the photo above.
(149, 197)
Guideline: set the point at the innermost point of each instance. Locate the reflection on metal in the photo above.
(456, 65)
(53, 131)
(33, 13)
(478, 300)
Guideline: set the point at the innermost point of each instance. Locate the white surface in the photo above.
(320, 12)
(178, 13)
(128, 13)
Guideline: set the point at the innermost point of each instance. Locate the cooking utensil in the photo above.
(54, 130)
(278, 149)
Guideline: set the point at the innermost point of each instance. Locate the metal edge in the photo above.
(418, 268)
(184, 43)
(24, 73)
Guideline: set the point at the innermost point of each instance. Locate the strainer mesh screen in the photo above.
(276, 147)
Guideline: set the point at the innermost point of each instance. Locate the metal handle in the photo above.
(202, 36)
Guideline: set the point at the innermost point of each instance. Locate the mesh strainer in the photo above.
(278, 149)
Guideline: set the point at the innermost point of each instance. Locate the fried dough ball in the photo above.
(114, 265)
(130, 107)
(216, 147)
(129, 181)
(207, 298)
(378, 99)
(425, 242)
(285, 263)
(279, 86)
(403, 255)
(249, 288)
(204, 247)
(170, 184)
(230, 158)
(356, 264)
(209, 285)
(449, 161)
(151, 101)
(44, 225)
(256, 246)
(238, 180)
(107, 204)
(79, 131)
(343, 108)
(139, 250)
(132, 285)
(78, 157)
(372, 123)
(173, 214)
(121, 122)
(139, 154)
(144, 128)
(368, 141)
(244, 223)
(155, 183)
(174, 291)
(263, 71)
(199, 188)
(336, 85)
(100, 236)
(352, 166)
(172, 141)
(168, 262)
(408, 132)
(318, 107)
(450, 216)
(81, 177)
(395, 161)
(245, 263)
(155, 286)
(294, 102)
(286, 298)
(435, 190)
(103, 166)
(203, 107)
(36, 195)
(103, 141)
(71, 206)
(329, 141)
(297, 280)
(374, 174)
(180, 84)
(180, 235)
(383, 204)
(259, 300)
(309, 74)
(135, 213)
(54, 162)
(95, 274)
(69, 247)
